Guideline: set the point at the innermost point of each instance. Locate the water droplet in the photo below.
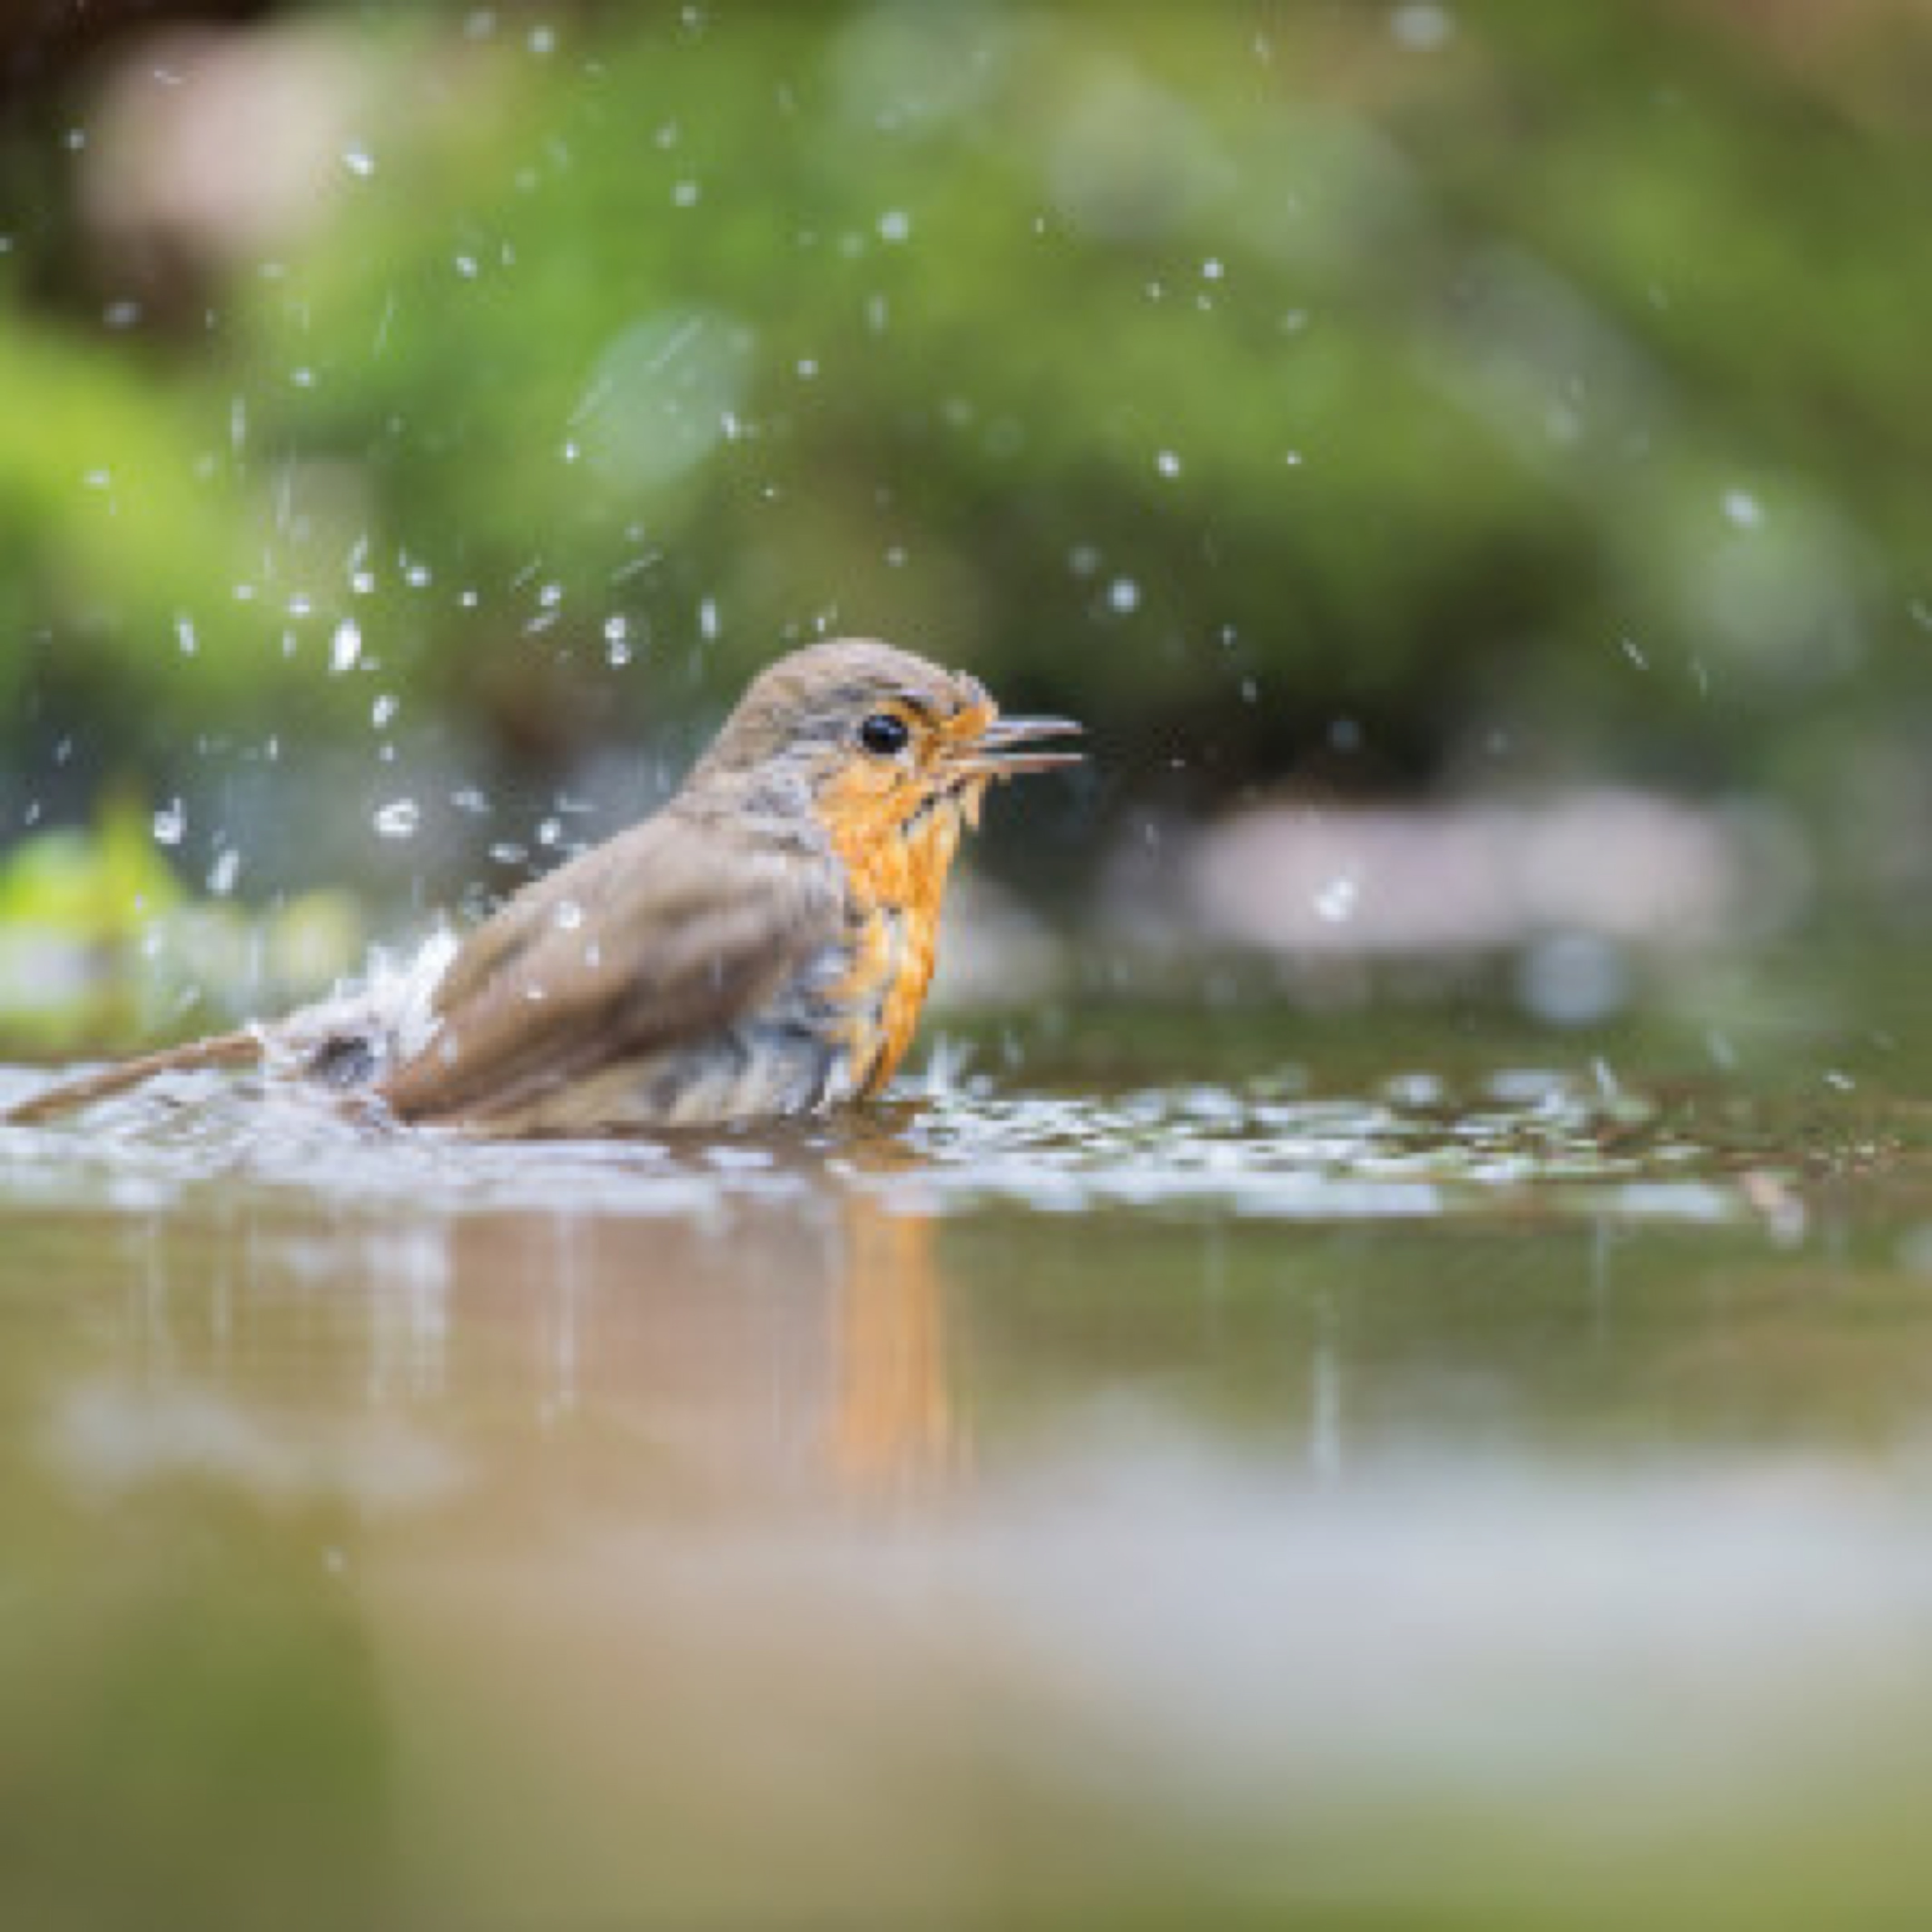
(346, 647)
(359, 161)
(707, 617)
(894, 225)
(185, 635)
(399, 818)
(569, 915)
(1742, 511)
(1336, 901)
(170, 823)
(1124, 594)
(221, 875)
(1167, 463)
(382, 710)
(617, 640)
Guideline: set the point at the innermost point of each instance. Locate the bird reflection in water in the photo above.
(897, 1426)
(763, 1318)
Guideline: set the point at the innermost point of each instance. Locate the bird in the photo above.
(759, 947)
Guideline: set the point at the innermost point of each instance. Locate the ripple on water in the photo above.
(1525, 1140)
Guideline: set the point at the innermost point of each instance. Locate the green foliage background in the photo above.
(1542, 388)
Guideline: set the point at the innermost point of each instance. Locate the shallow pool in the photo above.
(1367, 1488)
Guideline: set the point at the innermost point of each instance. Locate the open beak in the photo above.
(1000, 751)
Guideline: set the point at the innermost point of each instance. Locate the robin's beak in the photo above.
(1000, 751)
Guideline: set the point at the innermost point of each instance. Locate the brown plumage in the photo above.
(760, 946)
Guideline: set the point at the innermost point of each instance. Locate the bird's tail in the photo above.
(226, 1049)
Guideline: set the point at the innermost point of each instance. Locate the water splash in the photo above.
(1528, 1142)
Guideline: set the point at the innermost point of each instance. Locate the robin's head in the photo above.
(872, 740)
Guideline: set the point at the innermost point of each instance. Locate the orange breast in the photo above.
(896, 872)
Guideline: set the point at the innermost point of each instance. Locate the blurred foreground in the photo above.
(1349, 1493)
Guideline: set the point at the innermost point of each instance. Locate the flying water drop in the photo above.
(1336, 901)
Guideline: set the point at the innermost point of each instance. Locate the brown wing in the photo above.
(668, 932)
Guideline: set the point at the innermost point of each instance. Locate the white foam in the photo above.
(392, 1009)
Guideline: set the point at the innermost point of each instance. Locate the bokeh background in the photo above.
(1377, 1373)
(1468, 464)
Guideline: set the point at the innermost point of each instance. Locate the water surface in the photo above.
(1325, 1492)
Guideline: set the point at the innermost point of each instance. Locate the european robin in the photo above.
(762, 946)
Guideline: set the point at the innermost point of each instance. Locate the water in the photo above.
(1341, 1488)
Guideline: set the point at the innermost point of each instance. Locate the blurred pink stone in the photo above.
(1635, 867)
(222, 145)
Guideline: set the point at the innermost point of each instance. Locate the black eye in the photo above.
(884, 736)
